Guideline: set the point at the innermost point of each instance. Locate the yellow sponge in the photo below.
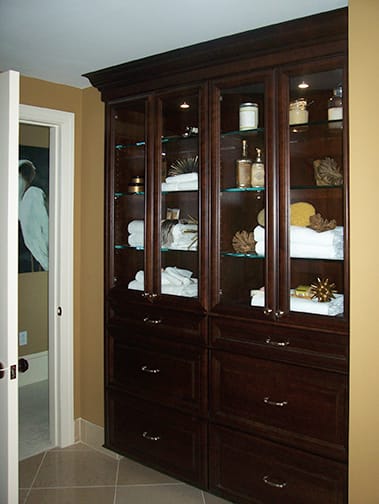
(300, 213)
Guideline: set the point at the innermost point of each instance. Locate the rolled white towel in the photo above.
(183, 186)
(257, 297)
(260, 248)
(136, 226)
(136, 240)
(184, 177)
(259, 233)
(184, 246)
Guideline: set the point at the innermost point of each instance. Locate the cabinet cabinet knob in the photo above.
(146, 369)
(279, 404)
(149, 437)
(267, 311)
(279, 314)
(285, 343)
(148, 320)
(273, 483)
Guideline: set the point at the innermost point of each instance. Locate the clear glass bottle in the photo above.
(258, 171)
(243, 168)
(335, 110)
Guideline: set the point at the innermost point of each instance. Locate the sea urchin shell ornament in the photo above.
(186, 165)
(243, 242)
(323, 290)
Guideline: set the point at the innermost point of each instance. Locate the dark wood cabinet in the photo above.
(227, 260)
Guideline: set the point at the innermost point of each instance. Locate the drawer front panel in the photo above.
(303, 406)
(167, 373)
(167, 440)
(162, 323)
(249, 470)
(326, 350)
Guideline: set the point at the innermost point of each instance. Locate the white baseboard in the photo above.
(93, 436)
(38, 368)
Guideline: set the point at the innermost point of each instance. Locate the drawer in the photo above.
(162, 438)
(250, 470)
(162, 323)
(300, 406)
(327, 350)
(166, 372)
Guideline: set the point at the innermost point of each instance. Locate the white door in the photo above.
(9, 114)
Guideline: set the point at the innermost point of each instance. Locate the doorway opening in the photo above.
(46, 414)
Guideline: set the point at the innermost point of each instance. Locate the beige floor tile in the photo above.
(212, 499)
(76, 468)
(159, 494)
(74, 447)
(132, 473)
(28, 470)
(22, 496)
(98, 495)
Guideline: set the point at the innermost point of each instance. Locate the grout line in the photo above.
(152, 484)
(203, 496)
(35, 477)
(115, 483)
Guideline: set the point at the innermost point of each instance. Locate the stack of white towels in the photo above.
(181, 236)
(183, 182)
(136, 230)
(174, 281)
(331, 308)
(307, 243)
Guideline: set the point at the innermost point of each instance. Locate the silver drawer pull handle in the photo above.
(148, 320)
(269, 341)
(267, 311)
(275, 484)
(280, 404)
(150, 438)
(146, 369)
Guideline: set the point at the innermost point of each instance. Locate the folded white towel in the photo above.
(136, 226)
(140, 276)
(134, 285)
(303, 305)
(183, 186)
(183, 246)
(184, 291)
(301, 250)
(181, 231)
(308, 236)
(167, 279)
(316, 252)
(136, 240)
(184, 177)
(179, 272)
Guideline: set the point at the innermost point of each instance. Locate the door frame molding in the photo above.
(61, 284)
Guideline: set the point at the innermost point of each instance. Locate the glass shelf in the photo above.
(237, 254)
(122, 194)
(243, 189)
(164, 140)
(163, 249)
(315, 187)
(255, 131)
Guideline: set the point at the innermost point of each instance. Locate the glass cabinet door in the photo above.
(315, 177)
(178, 183)
(128, 162)
(241, 184)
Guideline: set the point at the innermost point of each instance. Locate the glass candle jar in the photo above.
(248, 116)
(298, 113)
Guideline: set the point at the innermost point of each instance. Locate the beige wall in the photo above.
(88, 235)
(364, 173)
(364, 133)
